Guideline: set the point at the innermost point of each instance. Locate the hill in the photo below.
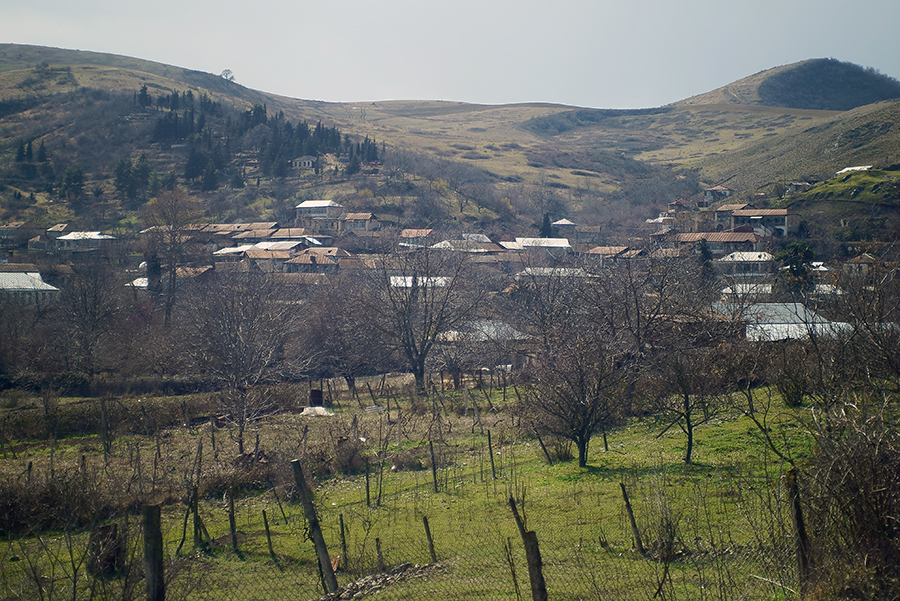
(489, 168)
(819, 84)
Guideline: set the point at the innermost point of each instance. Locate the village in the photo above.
(325, 240)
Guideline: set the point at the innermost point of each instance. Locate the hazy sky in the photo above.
(586, 53)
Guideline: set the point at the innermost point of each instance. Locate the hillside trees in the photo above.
(131, 179)
(72, 184)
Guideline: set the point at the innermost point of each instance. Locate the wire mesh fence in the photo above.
(446, 534)
(414, 503)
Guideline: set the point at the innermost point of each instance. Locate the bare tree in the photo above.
(413, 297)
(90, 305)
(240, 330)
(168, 217)
(342, 333)
(576, 365)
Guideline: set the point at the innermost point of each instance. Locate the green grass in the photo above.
(717, 506)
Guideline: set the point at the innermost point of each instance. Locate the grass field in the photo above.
(714, 529)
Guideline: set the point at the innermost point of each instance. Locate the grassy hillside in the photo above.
(503, 166)
(814, 150)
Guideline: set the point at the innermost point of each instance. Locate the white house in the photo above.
(26, 287)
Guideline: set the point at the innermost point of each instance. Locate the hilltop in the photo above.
(488, 168)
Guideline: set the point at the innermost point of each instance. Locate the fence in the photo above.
(413, 503)
(700, 541)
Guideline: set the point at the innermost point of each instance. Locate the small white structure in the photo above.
(852, 169)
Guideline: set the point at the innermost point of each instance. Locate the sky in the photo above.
(599, 53)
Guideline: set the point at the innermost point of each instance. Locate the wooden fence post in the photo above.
(533, 556)
(153, 554)
(433, 466)
(232, 523)
(638, 544)
(491, 452)
(430, 540)
(801, 540)
(345, 558)
(315, 530)
(269, 537)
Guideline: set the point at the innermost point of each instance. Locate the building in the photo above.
(304, 162)
(721, 243)
(716, 193)
(358, 222)
(769, 322)
(767, 222)
(310, 211)
(84, 241)
(746, 264)
(723, 215)
(24, 284)
(17, 233)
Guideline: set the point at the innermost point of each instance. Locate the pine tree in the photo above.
(210, 178)
(546, 227)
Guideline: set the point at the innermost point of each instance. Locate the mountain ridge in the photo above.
(513, 162)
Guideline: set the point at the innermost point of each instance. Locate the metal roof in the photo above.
(24, 282)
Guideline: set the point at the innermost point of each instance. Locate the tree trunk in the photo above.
(582, 444)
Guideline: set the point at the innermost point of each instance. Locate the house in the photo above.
(408, 281)
(721, 243)
(740, 293)
(548, 243)
(17, 233)
(468, 246)
(57, 230)
(309, 212)
(22, 283)
(492, 343)
(311, 263)
(564, 227)
(768, 322)
(767, 222)
(716, 193)
(84, 241)
(310, 209)
(723, 214)
(746, 264)
(41, 244)
(537, 274)
(587, 234)
(860, 265)
(607, 253)
(266, 261)
(182, 274)
(416, 238)
(795, 187)
(353, 222)
(304, 162)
